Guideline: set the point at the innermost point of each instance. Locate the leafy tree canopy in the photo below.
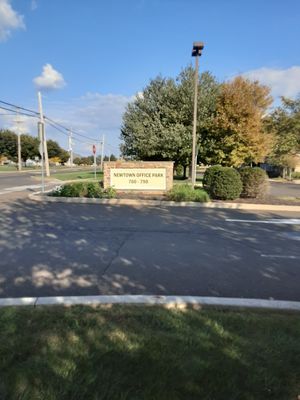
(284, 123)
(236, 134)
(29, 147)
(157, 125)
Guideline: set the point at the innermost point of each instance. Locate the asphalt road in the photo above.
(77, 249)
(11, 180)
(278, 189)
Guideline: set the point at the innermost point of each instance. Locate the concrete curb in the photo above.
(166, 301)
(37, 196)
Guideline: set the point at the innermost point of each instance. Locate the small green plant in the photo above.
(71, 190)
(187, 193)
(84, 189)
(94, 190)
(110, 193)
(225, 184)
(255, 182)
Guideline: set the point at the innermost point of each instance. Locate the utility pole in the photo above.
(41, 150)
(71, 147)
(102, 152)
(18, 122)
(44, 140)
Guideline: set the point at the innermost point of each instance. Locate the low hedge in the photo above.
(186, 193)
(223, 183)
(255, 182)
(84, 189)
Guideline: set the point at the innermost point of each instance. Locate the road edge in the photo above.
(150, 300)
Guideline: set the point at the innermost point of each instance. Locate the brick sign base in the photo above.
(139, 176)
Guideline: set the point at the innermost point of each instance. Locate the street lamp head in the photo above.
(197, 48)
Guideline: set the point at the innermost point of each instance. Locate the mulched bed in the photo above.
(267, 200)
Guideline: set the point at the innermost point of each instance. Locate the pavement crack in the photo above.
(117, 252)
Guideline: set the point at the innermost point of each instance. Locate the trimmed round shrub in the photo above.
(226, 184)
(255, 182)
(208, 176)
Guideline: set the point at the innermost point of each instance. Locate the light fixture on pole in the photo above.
(196, 52)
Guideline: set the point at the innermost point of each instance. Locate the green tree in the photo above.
(29, 147)
(54, 150)
(77, 161)
(8, 144)
(157, 125)
(284, 123)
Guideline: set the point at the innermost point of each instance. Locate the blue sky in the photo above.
(90, 57)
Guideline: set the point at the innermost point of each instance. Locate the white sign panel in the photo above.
(138, 178)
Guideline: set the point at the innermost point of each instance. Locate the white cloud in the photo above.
(283, 82)
(9, 20)
(49, 79)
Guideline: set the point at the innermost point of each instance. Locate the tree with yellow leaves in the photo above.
(237, 135)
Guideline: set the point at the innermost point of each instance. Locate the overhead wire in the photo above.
(56, 125)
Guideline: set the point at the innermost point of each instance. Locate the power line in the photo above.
(37, 115)
(16, 112)
(21, 108)
(56, 125)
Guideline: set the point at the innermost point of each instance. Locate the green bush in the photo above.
(208, 176)
(71, 190)
(187, 193)
(84, 189)
(255, 182)
(94, 190)
(225, 184)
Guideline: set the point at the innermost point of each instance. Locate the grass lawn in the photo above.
(68, 176)
(5, 168)
(148, 353)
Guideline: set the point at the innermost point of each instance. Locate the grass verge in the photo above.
(5, 168)
(148, 353)
(184, 192)
(69, 176)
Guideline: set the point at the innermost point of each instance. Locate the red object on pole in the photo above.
(94, 149)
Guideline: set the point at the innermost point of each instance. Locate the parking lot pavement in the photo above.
(87, 249)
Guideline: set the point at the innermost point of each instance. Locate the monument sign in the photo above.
(142, 176)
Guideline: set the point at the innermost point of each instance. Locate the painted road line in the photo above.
(166, 301)
(279, 256)
(283, 221)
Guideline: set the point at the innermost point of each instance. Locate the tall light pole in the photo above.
(196, 52)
